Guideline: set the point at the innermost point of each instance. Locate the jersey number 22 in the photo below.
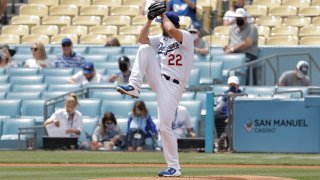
(175, 60)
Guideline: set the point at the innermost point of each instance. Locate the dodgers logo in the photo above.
(249, 126)
(164, 50)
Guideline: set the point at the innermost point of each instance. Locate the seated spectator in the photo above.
(200, 46)
(6, 54)
(140, 127)
(106, 134)
(68, 118)
(184, 8)
(68, 58)
(229, 16)
(221, 111)
(122, 77)
(112, 41)
(297, 77)
(181, 125)
(39, 57)
(87, 75)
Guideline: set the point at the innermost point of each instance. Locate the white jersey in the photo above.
(175, 58)
(81, 79)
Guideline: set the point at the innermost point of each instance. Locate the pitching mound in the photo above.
(202, 178)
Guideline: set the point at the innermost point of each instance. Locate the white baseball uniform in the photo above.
(165, 56)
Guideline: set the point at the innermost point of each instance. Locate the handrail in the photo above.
(288, 91)
(267, 59)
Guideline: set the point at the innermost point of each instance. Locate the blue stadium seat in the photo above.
(114, 57)
(107, 95)
(198, 57)
(5, 87)
(64, 87)
(3, 95)
(56, 72)
(11, 125)
(22, 71)
(259, 91)
(215, 51)
(90, 107)
(80, 50)
(194, 108)
(152, 108)
(291, 94)
(101, 70)
(230, 61)
(26, 80)
(202, 96)
(96, 58)
(19, 59)
(57, 79)
(23, 50)
(100, 64)
(29, 88)
(89, 125)
(23, 95)
(104, 50)
(120, 109)
(112, 66)
(219, 89)
(130, 50)
(209, 75)
(187, 96)
(4, 79)
(194, 79)
(148, 96)
(10, 107)
(2, 70)
(51, 94)
(34, 108)
(123, 124)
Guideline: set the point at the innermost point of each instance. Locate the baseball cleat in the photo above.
(128, 90)
(170, 172)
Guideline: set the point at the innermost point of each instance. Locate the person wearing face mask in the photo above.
(106, 134)
(121, 77)
(140, 127)
(243, 38)
(200, 46)
(297, 77)
(87, 75)
(229, 16)
(68, 118)
(221, 107)
(6, 54)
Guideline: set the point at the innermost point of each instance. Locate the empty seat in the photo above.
(194, 108)
(259, 91)
(311, 11)
(120, 109)
(104, 30)
(90, 107)
(5, 87)
(31, 38)
(216, 40)
(230, 61)
(148, 96)
(264, 31)
(76, 2)
(283, 40)
(154, 30)
(297, 3)
(107, 95)
(315, 3)
(51, 94)
(268, 3)
(11, 127)
(127, 39)
(56, 20)
(256, 10)
(104, 50)
(10, 107)
(209, 75)
(194, 79)
(316, 21)
(310, 41)
(130, 30)
(283, 11)
(29, 88)
(219, 89)
(2, 96)
(93, 39)
(46, 2)
(34, 108)
(4, 79)
(26, 20)
(34, 9)
(86, 20)
(56, 39)
(108, 3)
(9, 39)
(23, 95)
(269, 21)
(76, 30)
(48, 30)
(297, 21)
(261, 40)
(284, 30)
(89, 125)
(221, 30)
(152, 108)
(19, 30)
(94, 10)
(310, 31)
(131, 2)
(64, 87)
(116, 20)
(187, 96)
(26, 80)
(124, 10)
(64, 10)
(139, 20)
(57, 72)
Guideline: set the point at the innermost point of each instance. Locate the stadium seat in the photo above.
(116, 20)
(89, 125)
(309, 31)
(106, 95)
(26, 79)
(76, 30)
(296, 3)
(209, 75)
(127, 39)
(93, 39)
(125, 10)
(108, 30)
(34, 9)
(120, 109)
(56, 72)
(297, 21)
(56, 20)
(310, 41)
(194, 79)
(284, 31)
(11, 127)
(139, 20)
(10, 107)
(230, 61)
(5, 87)
(316, 21)
(90, 107)
(154, 30)
(194, 108)
(31, 38)
(261, 40)
(148, 96)
(270, 21)
(64, 10)
(267, 3)
(76, 2)
(283, 11)
(23, 95)
(4, 79)
(86, 21)
(315, 3)
(46, 2)
(9, 39)
(283, 41)
(311, 11)
(56, 39)
(2, 96)
(64, 87)
(34, 108)
(152, 108)
(221, 30)
(216, 40)
(131, 50)
(131, 2)
(263, 31)
(48, 30)
(259, 91)
(187, 96)
(51, 94)
(94, 10)
(130, 30)
(29, 88)
(19, 30)
(219, 89)
(123, 124)
(29, 20)
(256, 10)
(185, 22)
(2, 70)
(108, 3)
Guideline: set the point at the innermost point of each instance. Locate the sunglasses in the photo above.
(34, 49)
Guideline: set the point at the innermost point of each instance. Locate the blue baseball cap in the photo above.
(88, 68)
(174, 18)
(66, 41)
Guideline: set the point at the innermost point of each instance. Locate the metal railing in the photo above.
(275, 70)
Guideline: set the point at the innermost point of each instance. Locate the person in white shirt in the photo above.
(39, 57)
(68, 118)
(181, 125)
(87, 75)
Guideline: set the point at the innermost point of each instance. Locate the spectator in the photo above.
(39, 57)
(243, 38)
(87, 75)
(113, 41)
(140, 127)
(107, 133)
(229, 16)
(182, 126)
(297, 77)
(221, 109)
(68, 118)
(184, 8)
(68, 58)
(6, 57)
(200, 46)
(122, 77)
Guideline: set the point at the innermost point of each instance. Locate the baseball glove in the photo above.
(156, 9)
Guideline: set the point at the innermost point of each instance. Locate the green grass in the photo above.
(152, 157)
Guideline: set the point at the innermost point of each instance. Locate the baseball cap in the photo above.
(11, 51)
(240, 12)
(302, 66)
(88, 68)
(174, 18)
(66, 41)
(233, 79)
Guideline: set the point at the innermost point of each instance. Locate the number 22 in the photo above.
(175, 60)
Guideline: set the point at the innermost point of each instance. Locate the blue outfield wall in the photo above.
(277, 125)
